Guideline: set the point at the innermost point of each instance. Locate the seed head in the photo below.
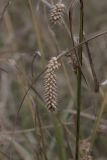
(56, 13)
(85, 150)
(50, 84)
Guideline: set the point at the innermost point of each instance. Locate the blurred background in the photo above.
(28, 131)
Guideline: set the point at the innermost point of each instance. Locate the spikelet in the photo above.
(56, 13)
(85, 150)
(50, 84)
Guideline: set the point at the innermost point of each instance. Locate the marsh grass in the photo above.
(28, 40)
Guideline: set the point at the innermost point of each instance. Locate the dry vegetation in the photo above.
(35, 37)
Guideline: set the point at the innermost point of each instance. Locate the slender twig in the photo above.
(79, 83)
(27, 91)
(31, 87)
(80, 44)
(39, 96)
(92, 67)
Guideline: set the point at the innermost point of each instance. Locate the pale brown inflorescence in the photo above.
(56, 13)
(50, 84)
(85, 150)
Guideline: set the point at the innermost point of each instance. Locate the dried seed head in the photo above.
(85, 150)
(50, 84)
(56, 13)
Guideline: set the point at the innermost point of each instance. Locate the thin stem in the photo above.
(92, 67)
(80, 44)
(73, 43)
(41, 132)
(36, 29)
(71, 30)
(59, 137)
(79, 76)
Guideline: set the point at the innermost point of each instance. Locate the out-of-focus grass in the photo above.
(25, 29)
